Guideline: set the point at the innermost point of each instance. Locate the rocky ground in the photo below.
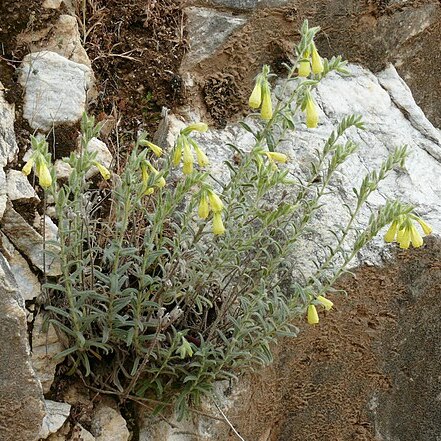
(368, 371)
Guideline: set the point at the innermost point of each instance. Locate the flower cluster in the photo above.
(210, 201)
(184, 146)
(311, 62)
(312, 314)
(40, 158)
(261, 95)
(404, 231)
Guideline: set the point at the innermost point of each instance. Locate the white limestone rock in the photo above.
(27, 282)
(391, 118)
(45, 346)
(103, 155)
(21, 409)
(19, 189)
(8, 144)
(56, 415)
(108, 424)
(29, 242)
(55, 89)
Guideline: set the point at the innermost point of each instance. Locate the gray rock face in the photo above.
(55, 89)
(56, 415)
(29, 242)
(108, 424)
(8, 144)
(45, 346)
(27, 282)
(19, 189)
(21, 399)
(391, 118)
(207, 30)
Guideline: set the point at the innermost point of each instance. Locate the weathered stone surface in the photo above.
(108, 424)
(391, 118)
(29, 242)
(21, 399)
(52, 4)
(103, 155)
(81, 434)
(55, 89)
(27, 282)
(45, 346)
(207, 30)
(8, 144)
(56, 415)
(61, 37)
(3, 195)
(18, 187)
(248, 4)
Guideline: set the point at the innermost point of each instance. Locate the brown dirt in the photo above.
(371, 363)
(136, 49)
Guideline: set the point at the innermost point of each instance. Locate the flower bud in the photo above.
(187, 158)
(215, 201)
(203, 209)
(105, 173)
(201, 156)
(426, 227)
(153, 147)
(415, 237)
(311, 113)
(304, 68)
(312, 316)
(43, 173)
(256, 95)
(391, 232)
(198, 127)
(28, 167)
(277, 157)
(316, 61)
(266, 112)
(325, 302)
(218, 226)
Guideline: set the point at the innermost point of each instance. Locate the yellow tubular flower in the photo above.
(278, 157)
(426, 227)
(304, 68)
(145, 174)
(391, 232)
(187, 158)
(316, 61)
(266, 112)
(43, 173)
(415, 237)
(105, 173)
(153, 147)
(403, 238)
(312, 316)
(311, 113)
(256, 95)
(149, 191)
(204, 208)
(201, 156)
(177, 154)
(198, 127)
(325, 302)
(218, 226)
(215, 201)
(28, 167)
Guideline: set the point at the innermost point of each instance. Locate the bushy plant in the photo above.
(172, 280)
